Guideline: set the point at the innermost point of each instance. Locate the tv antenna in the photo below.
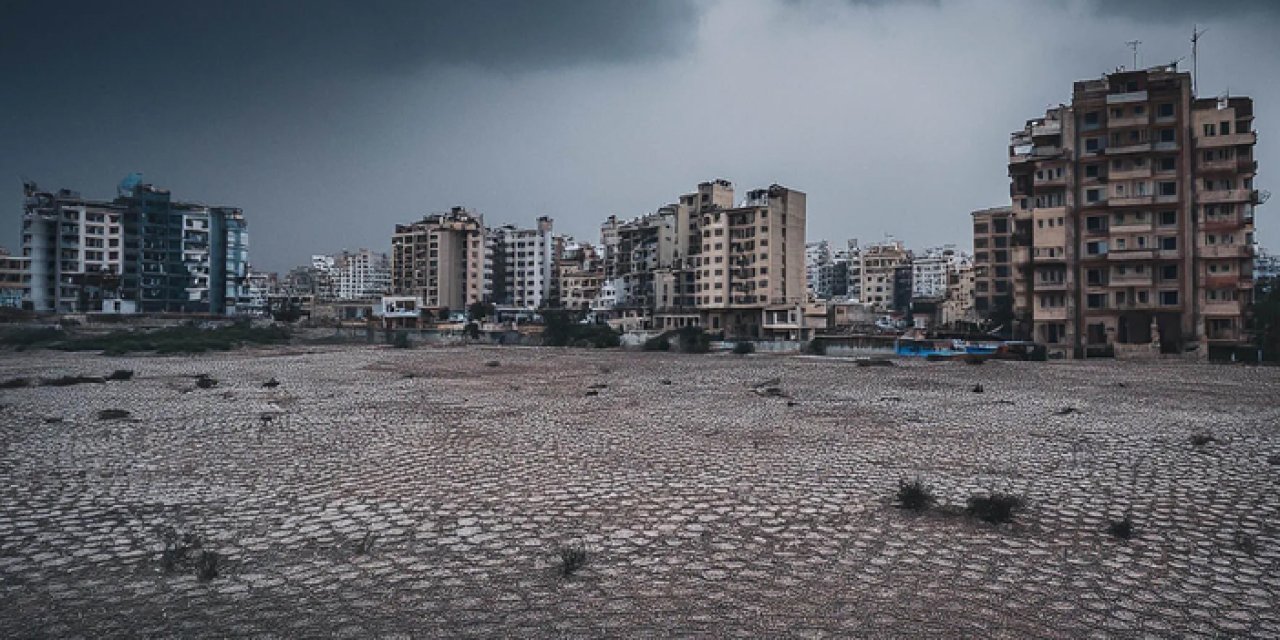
(1134, 44)
(1196, 32)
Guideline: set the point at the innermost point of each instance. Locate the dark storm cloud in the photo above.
(237, 37)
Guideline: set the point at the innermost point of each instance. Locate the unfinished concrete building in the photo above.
(1134, 211)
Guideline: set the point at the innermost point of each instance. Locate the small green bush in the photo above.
(815, 348)
(743, 348)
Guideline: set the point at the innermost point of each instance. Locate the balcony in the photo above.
(1132, 279)
(1142, 147)
(1050, 151)
(1052, 313)
(1132, 201)
(1059, 257)
(1050, 285)
(1118, 229)
(1129, 121)
(1222, 281)
(1048, 128)
(1056, 181)
(1131, 254)
(1165, 146)
(1218, 166)
(1222, 308)
(1232, 140)
(1219, 224)
(1227, 195)
(1225, 251)
(1129, 174)
(1123, 98)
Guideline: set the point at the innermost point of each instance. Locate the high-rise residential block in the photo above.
(160, 255)
(1133, 218)
(523, 263)
(440, 259)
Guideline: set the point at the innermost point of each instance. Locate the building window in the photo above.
(1168, 218)
(1169, 243)
(1097, 300)
(1091, 118)
(1210, 129)
(1093, 195)
(1168, 135)
(1169, 272)
(1164, 110)
(1169, 188)
(1091, 171)
(1168, 298)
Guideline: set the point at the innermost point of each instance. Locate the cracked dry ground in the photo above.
(427, 492)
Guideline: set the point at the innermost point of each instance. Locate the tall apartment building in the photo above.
(523, 262)
(440, 259)
(993, 261)
(645, 246)
(817, 256)
(142, 247)
(1133, 217)
(751, 259)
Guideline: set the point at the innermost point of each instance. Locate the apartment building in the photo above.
(884, 286)
(1133, 218)
(143, 247)
(751, 261)
(440, 259)
(931, 271)
(957, 305)
(817, 259)
(579, 276)
(523, 262)
(15, 279)
(993, 261)
(353, 275)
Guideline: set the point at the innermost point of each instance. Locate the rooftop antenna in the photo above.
(1133, 44)
(1196, 32)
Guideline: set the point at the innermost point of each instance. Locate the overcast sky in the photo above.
(329, 122)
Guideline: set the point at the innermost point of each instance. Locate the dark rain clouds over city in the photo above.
(329, 122)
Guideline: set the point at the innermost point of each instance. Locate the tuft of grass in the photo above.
(572, 558)
(996, 508)
(693, 340)
(205, 382)
(915, 495)
(178, 548)
(1202, 439)
(365, 546)
(68, 381)
(207, 565)
(1122, 528)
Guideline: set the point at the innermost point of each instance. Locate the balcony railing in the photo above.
(1226, 195)
(1142, 147)
(1131, 96)
(1129, 121)
(1232, 140)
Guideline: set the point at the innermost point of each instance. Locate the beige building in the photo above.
(751, 260)
(958, 305)
(879, 265)
(440, 259)
(1133, 211)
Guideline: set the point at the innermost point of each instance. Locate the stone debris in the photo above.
(703, 512)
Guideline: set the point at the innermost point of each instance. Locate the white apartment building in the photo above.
(522, 265)
(931, 269)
